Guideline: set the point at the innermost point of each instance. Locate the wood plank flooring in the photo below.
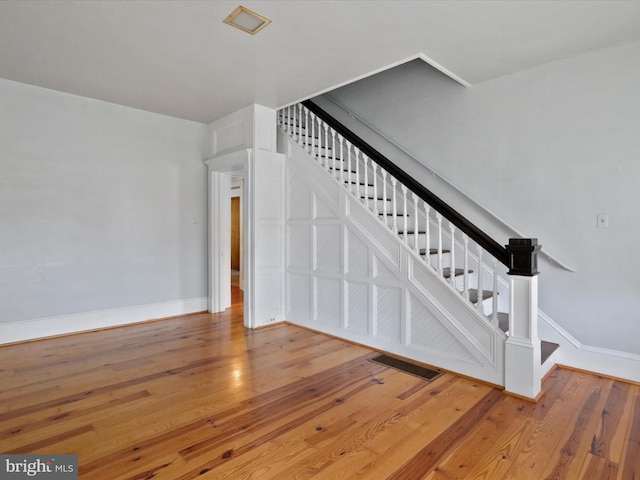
(198, 396)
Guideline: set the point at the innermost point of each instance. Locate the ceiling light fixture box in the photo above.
(247, 20)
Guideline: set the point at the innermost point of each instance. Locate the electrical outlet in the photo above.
(602, 220)
(272, 320)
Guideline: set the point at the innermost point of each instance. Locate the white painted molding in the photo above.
(235, 163)
(87, 321)
(572, 353)
(549, 330)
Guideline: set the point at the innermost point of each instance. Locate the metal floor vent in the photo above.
(407, 367)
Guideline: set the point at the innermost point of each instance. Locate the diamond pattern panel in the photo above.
(428, 332)
(328, 243)
(383, 273)
(299, 305)
(299, 253)
(358, 307)
(323, 211)
(328, 301)
(358, 259)
(299, 205)
(389, 310)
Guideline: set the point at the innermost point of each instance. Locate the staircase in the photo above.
(467, 260)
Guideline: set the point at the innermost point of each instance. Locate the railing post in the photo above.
(522, 349)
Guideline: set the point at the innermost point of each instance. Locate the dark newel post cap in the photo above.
(523, 256)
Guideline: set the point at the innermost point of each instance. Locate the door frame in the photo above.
(221, 170)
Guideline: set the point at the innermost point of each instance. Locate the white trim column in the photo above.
(243, 144)
(219, 248)
(523, 372)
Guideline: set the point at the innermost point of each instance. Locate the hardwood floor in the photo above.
(198, 396)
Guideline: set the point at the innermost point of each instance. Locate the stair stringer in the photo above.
(348, 275)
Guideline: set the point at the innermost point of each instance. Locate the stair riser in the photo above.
(380, 204)
(422, 243)
(401, 222)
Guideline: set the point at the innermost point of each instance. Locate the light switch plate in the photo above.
(602, 220)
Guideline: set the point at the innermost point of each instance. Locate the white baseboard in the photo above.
(572, 353)
(86, 321)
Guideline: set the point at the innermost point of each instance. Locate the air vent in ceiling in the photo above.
(246, 20)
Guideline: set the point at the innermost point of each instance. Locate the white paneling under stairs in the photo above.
(348, 275)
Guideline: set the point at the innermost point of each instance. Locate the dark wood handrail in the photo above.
(480, 237)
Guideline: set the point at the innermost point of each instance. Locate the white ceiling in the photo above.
(178, 58)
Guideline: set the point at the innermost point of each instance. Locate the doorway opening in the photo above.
(236, 240)
(228, 176)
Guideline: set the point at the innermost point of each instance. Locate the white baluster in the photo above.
(307, 147)
(427, 211)
(452, 255)
(357, 154)
(333, 152)
(394, 202)
(325, 142)
(313, 135)
(319, 143)
(479, 305)
(349, 166)
(365, 167)
(296, 126)
(465, 287)
(385, 210)
(301, 124)
(416, 227)
(322, 160)
(439, 219)
(341, 142)
(326, 145)
(494, 303)
(374, 166)
(405, 213)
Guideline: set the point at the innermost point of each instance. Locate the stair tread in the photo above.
(341, 169)
(433, 251)
(546, 350)
(473, 295)
(458, 271)
(370, 197)
(389, 214)
(503, 321)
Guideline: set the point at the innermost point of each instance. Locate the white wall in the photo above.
(546, 149)
(101, 206)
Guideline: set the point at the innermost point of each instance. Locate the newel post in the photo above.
(522, 349)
